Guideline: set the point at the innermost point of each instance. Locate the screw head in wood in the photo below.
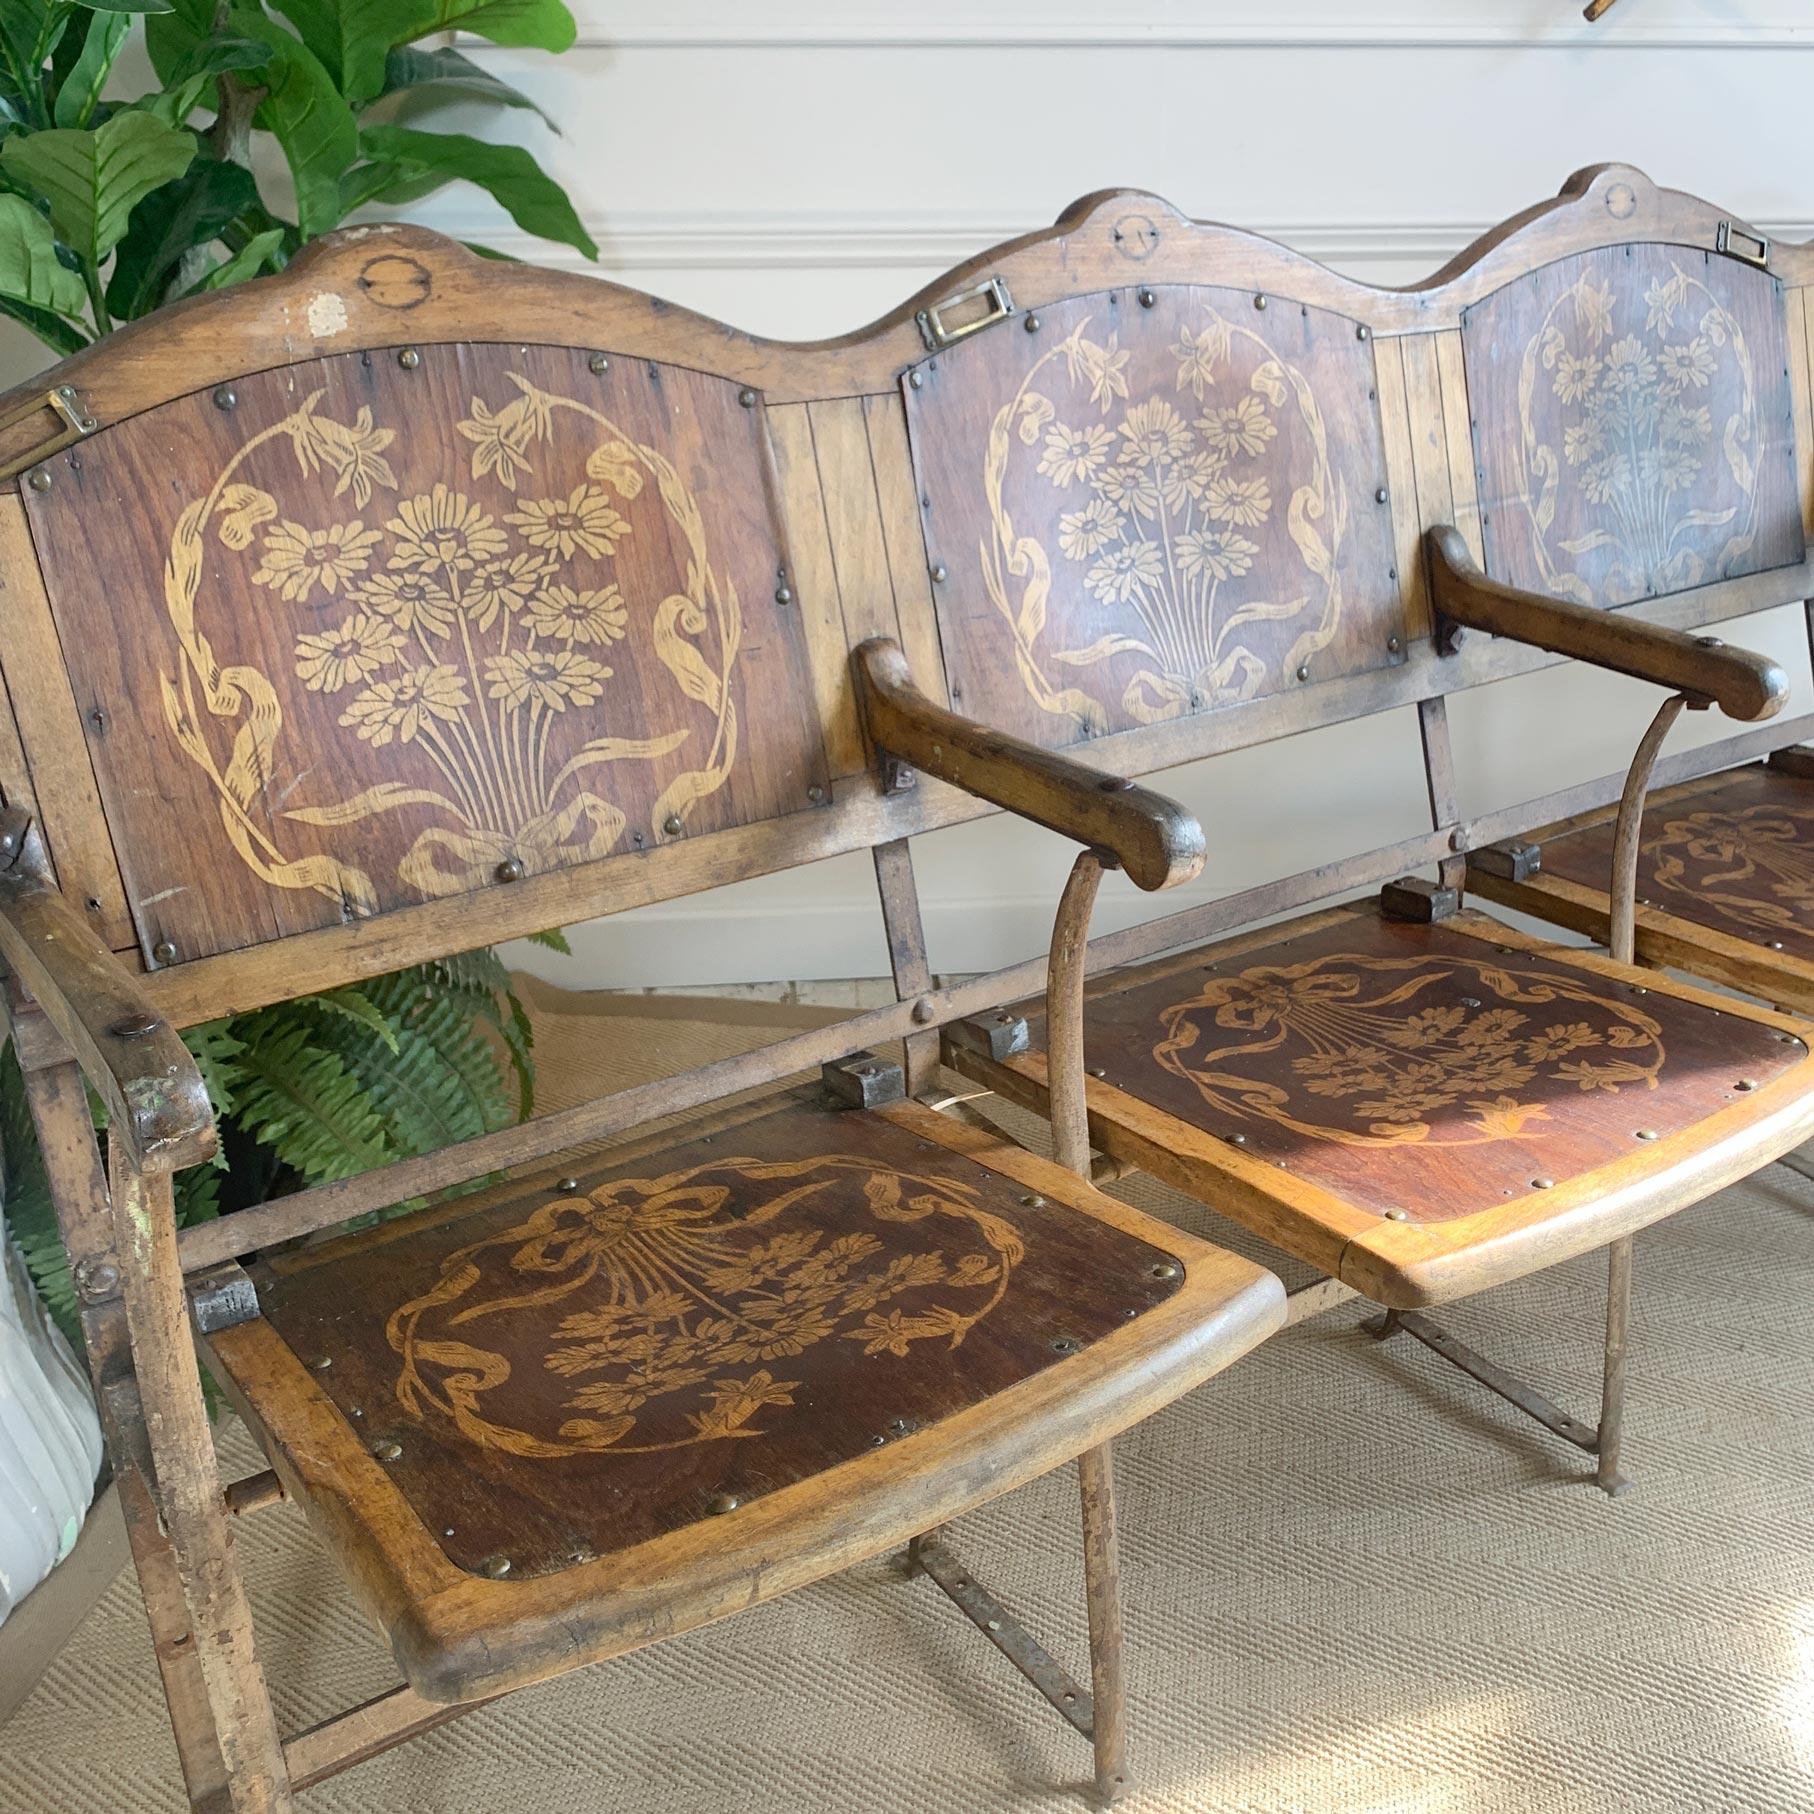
(1033, 1200)
(495, 1568)
(38, 479)
(388, 1450)
(1166, 1269)
(135, 1026)
(226, 397)
(1393, 645)
(672, 825)
(510, 870)
(567, 1186)
(915, 380)
(747, 398)
(598, 363)
(164, 952)
(1363, 332)
(720, 1503)
(816, 794)
(97, 1278)
(1066, 1344)
(322, 1362)
(409, 359)
(923, 1009)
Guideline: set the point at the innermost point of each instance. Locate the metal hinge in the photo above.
(1739, 242)
(66, 404)
(937, 331)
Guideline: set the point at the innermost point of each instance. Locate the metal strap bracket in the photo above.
(1739, 242)
(74, 420)
(938, 332)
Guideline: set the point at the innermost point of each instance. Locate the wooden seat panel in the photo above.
(1725, 880)
(1427, 1109)
(718, 1368)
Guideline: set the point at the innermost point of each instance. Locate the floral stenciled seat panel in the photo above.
(1737, 857)
(567, 1374)
(1632, 427)
(1153, 501)
(388, 627)
(1412, 1067)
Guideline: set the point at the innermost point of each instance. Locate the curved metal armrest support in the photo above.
(158, 1108)
(1154, 839)
(1741, 684)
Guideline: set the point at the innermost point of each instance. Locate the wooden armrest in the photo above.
(1154, 839)
(157, 1104)
(1741, 684)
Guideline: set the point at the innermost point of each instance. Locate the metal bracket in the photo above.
(1740, 243)
(1515, 861)
(1412, 898)
(935, 331)
(222, 1297)
(997, 1035)
(897, 777)
(67, 405)
(863, 1081)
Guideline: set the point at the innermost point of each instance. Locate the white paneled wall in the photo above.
(799, 168)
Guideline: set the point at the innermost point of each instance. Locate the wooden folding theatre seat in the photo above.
(1189, 493)
(401, 603)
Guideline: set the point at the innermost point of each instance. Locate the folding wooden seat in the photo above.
(1185, 492)
(402, 603)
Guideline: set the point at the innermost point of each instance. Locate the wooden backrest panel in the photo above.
(1148, 501)
(1632, 424)
(382, 628)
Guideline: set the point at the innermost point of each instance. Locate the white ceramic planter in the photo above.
(50, 1438)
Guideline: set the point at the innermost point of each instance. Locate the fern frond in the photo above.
(299, 1098)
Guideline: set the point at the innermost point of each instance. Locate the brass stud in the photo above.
(226, 397)
(1646, 1133)
(1259, 302)
(598, 363)
(1776, 944)
(1066, 1344)
(1096, 1070)
(816, 794)
(510, 870)
(720, 1503)
(1746, 1083)
(1235, 1139)
(135, 1026)
(322, 1362)
(1147, 298)
(1379, 496)
(1543, 1183)
(1031, 324)
(1166, 1269)
(901, 1426)
(1033, 1201)
(939, 573)
(388, 1450)
(784, 595)
(1397, 1215)
(495, 1568)
(1303, 673)
(915, 380)
(409, 359)
(567, 1186)
(38, 479)
(1363, 332)
(163, 952)
(672, 825)
(747, 398)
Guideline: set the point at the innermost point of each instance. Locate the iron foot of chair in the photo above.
(1382, 1328)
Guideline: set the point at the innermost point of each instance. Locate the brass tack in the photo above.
(720, 1503)
(1776, 944)
(1166, 1269)
(567, 1186)
(135, 1026)
(1470, 1001)
(495, 1567)
(1303, 673)
(164, 952)
(1398, 1215)
(66, 392)
(816, 794)
(1542, 1183)
(388, 1450)
(1746, 1083)
(915, 380)
(510, 870)
(1363, 332)
(747, 398)
(1380, 495)
(784, 595)
(1236, 1139)
(1033, 1201)
(1065, 1344)
(1392, 645)
(38, 479)
(1147, 299)
(355, 1412)
(900, 1426)
(448, 1532)
(939, 574)
(1646, 1133)
(1031, 324)
(672, 825)
(409, 359)
(1259, 302)
(598, 363)
(226, 397)
(1096, 1070)
(322, 1362)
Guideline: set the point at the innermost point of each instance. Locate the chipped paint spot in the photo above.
(327, 314)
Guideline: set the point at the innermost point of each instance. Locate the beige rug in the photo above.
(1354, 1582)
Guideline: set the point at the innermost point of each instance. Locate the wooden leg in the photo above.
(1102, 1587)
(1612, 1391)
(189, 1497)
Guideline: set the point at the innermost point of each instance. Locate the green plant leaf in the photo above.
(191, 212)
(93, 180)
(451, 75)
(534, 200)
(129, 6)
(81, 88)
(30, 271)
(29, 31)
(350, 38)
(59, 335)
(522, 24)
(258, 252)
(554, 938)
(307, 115)
(298, 1098)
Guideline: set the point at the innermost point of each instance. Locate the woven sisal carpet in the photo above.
(1354, 1582)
